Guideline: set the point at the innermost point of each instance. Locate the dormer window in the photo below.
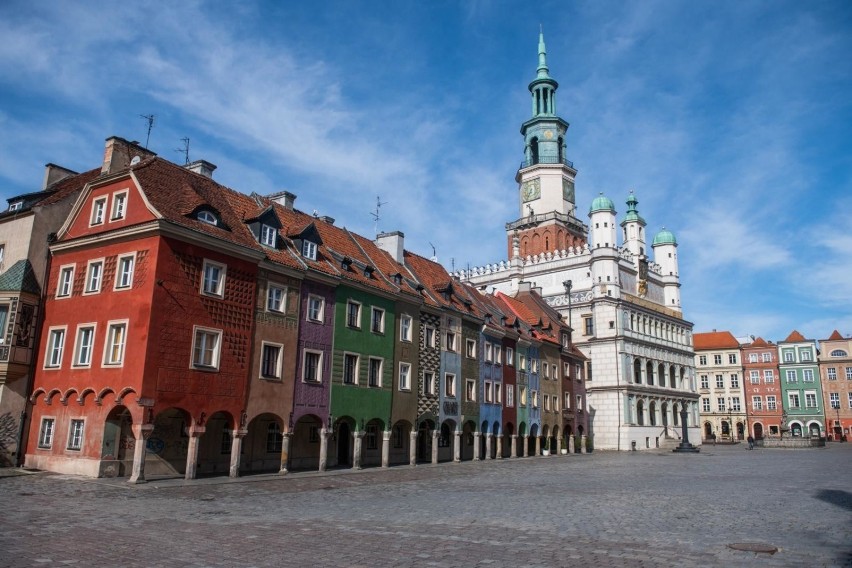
(98, 208)
(207, 217)
(16, 206)
(368, 271)
(345, 263)
(397, 279)
(267, 235)
(309, 250)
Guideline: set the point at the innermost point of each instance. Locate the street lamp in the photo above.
(835, 404)
(568, 286)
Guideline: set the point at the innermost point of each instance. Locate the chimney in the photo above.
(119, 153)
(54, 174)
(392, 243)
(284, 198)
(202, 167)
(524, 286)
(327, 219)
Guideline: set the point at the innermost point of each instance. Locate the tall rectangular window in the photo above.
(429, 383)
(754, 377)
(404, 376)
(429, 336)
(834, 399)
(309, 250)
(735, 380)
(119, 205)
(705, 382)
(788, 356)
(498, 393)
(808, 375)
(450, 384)
(378, 319)
(4, 319)
(768, 376)
(849, 373)
(66, 281)
(510, 396)
(268, 235)
(114, 348)
(470, 390)
(98, 208)
(732, 358)
(316, 307)
(752, 357)
(45, 435)
(84, 344)
(94, 274)
(588, 326)
(705, 405)
(312, 367)
(374, 376)
(702, 360)
(405, 328)
(757, 403)
(353, 314)
(735, 403)
(717, 359)
(832, 373)
(510, 356)
(489, 391)
(75, 434)
(770, 402)
(451, 341)
(470, 350)
(275, 299)
(720, 381)
(350, 368)
(567, 402)
(55, 347)
(206, 345)
(270, 361)
(124, 275)
(213, 279)
(767, 357)
(810, 400)
(793, 399)
(791, 376)
(720, 404)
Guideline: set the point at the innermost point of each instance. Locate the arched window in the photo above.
(637, 372)
(649, 370)
(652, 413)
(672, 377)
(207, 217)
(534, 150)
(838, 353)
(661, 374)
(640, 413)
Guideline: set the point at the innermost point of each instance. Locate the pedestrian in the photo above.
(750, 442)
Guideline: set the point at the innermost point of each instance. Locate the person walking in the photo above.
(750, 442)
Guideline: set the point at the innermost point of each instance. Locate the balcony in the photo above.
(546, 160)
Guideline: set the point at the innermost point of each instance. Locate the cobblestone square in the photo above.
(604, 509)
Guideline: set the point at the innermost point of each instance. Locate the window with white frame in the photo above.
(45, 434)
(309, 250)
(732, 358)
(115, 341)
(810, 399)
(534, 398)
(405, 376)
(808, 375)
(849, 373)
(510, 356)
(834, 399)
(767, 357)
(805, 354)
(546, 371)
(470, 390)
(124, 271)
(791, 376)
(374, 372)
(522, 395)
(768, 376)
(752, 357)
(554, 371)
(489, 391)
(849, 395)
(312, 366)
(66, 281)
(546, 403)
(451, 342)
(832, 373)
(720, 381)
(429, 383)
(757, 402)
(770, 402)
(270, 360)
(316, 307)
(55, 347)
(510, 396)
(378, 320)
(788, 356)
(206, 345)
(213, 279)
(449, 384)
(580, 402)
(207, 217)
(705, 405)
(350, 368)
(268, 235)
(735, 380)
(567, 402)
(75, 434)
(371, 437)
(405, 322)
(276, 299)
(119, 205)
(522, 362)
(94, 276)
(754, 377)
(353, 314)
(834, 352)
(555, 403)
(705, 382)
(83, 345)
(498, 393)
(533, 365)
(498, 355)
(429, 336)
(702, 360)
(470, 348)
(720, 404)
(793, 399)
(735, 403)
(717, 359)
(98, 211)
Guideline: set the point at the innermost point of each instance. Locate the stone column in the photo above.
(141, 432)
(583, 444)
(285, 452)
(499, 452)
(488, 445)
(358, 438)
(559, 445)
(538, 445)
(570, 444)
(434, 446)
(323, 456)
(386, 448)
(236, 451)
(412, 448)
(457, 446)
(195, 432)
(476, 447)
(526, 446)
(514, 453)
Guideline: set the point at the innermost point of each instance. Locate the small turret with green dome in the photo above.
(602, 203)
(665, 237)
(632, 213)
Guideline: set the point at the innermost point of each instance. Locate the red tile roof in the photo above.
(794, 336)
(835, 336)
(714, 340)
(759, 342)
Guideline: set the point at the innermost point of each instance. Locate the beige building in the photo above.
(835, 369)
(718, 364)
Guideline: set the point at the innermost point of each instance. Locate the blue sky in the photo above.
(731, 120)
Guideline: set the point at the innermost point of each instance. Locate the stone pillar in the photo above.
(141, 432)
(457, 446)
(412, 448)
(386, 448)
(488, 445)
(526, 446)
(236, 451)
(285, 452)
(559, 445)
(570, 444)
(358, 438)
(323, 457)
(583, 444)
(499, 452)
(514, 453)
(434, 446)
(195, 432)
(476, 447)
(538, 445)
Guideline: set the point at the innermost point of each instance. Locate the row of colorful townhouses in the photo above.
(797, 387)
(156, 322)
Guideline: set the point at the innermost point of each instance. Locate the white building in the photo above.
(625, 305)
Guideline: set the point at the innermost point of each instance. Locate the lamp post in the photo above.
(568, 286)
(839, 432)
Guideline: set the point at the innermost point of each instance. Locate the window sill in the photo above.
(271, 379)
(205, 368)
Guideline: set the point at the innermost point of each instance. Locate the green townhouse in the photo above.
(801, 393)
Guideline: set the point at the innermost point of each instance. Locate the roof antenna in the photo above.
(184, 150)
(149, 118)
(453, 264)
(376, 216)
(434, 254)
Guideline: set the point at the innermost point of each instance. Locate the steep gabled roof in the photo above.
(714, 340)
(759, 342)
(794, 337)
(835, 335)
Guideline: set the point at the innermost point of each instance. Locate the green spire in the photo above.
(632, 213)
(542, 57)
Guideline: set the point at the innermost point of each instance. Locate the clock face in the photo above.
(530, 189)
(548, 134)
(568, 189)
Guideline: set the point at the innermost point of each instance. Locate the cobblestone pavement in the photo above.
(603, 509)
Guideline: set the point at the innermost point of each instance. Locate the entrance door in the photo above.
(758, 431)
(740, 430)
(344, 437)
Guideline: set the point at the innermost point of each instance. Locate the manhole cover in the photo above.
(754, 547)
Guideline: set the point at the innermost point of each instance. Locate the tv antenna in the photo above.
(184, 150)
(376, 216)
(434, 252)
(149, 118)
